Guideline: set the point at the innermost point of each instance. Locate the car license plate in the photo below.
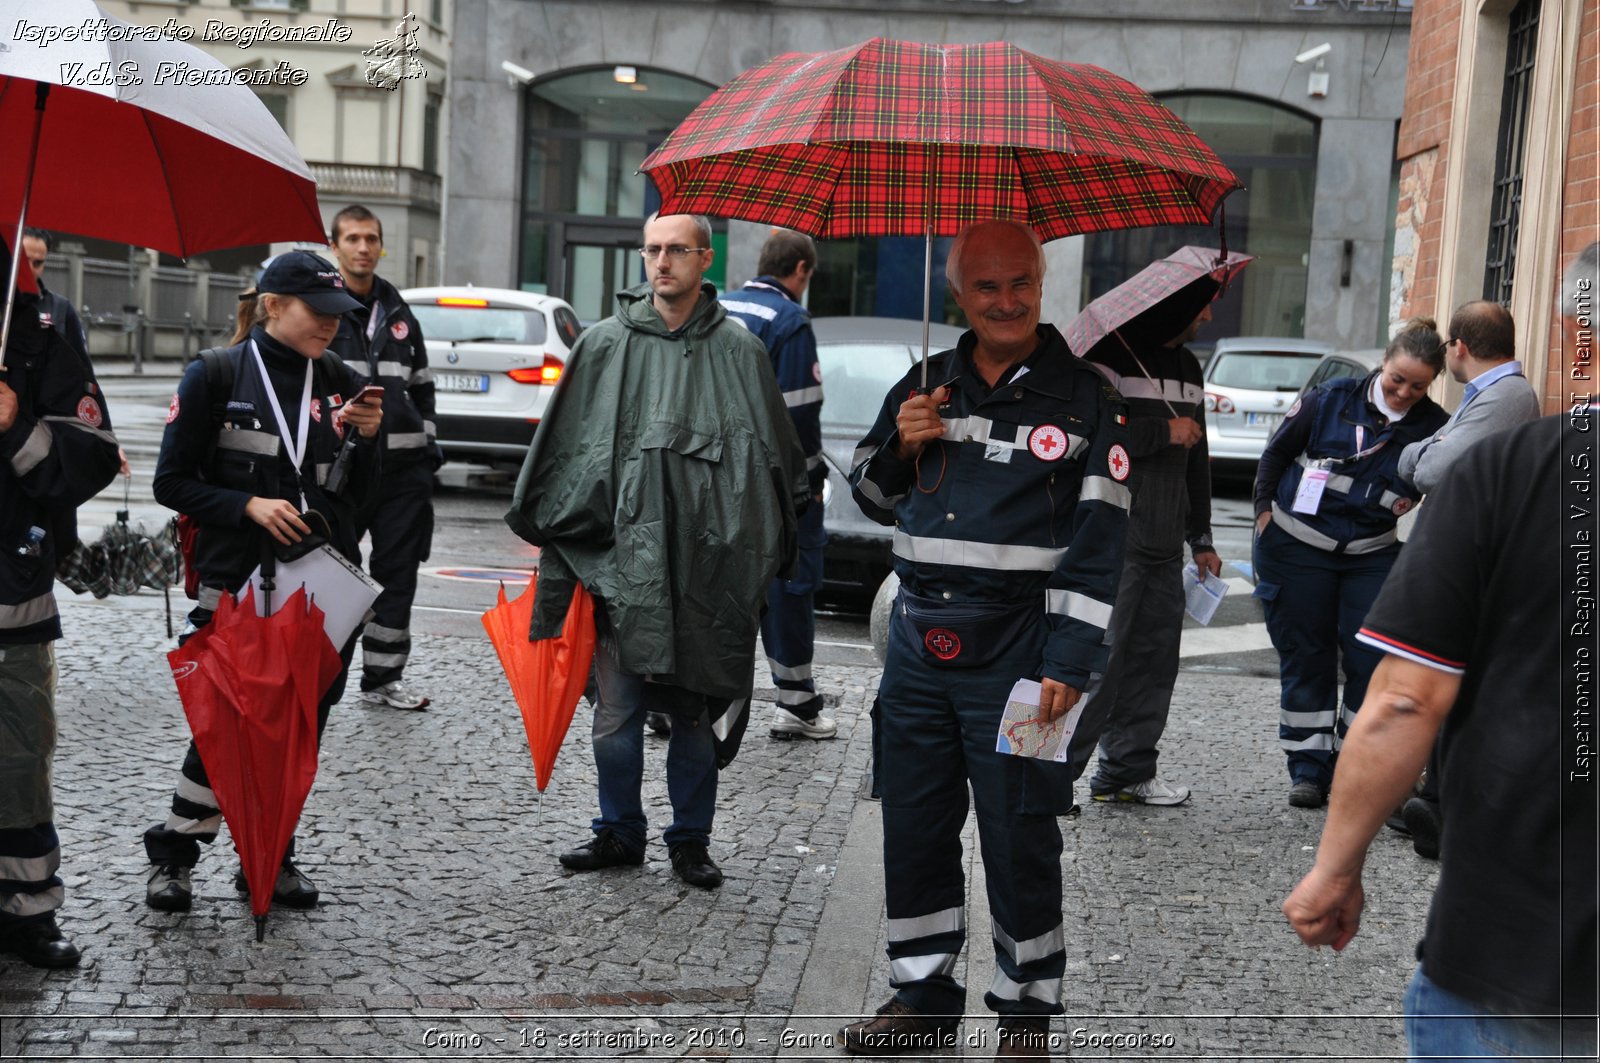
(460, 382)
(1262, 420)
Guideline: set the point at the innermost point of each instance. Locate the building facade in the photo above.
(563, 100)
(1523, 76)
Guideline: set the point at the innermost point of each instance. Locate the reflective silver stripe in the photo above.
(723, 726)
(98, 433)
(1078, 606)
(862, 454)
(323, 468)
(1337, 482)
(796, 674)
(813, 461)
(422, 376)
(1164, 389)
(431, 429)
(23, 905)
(917, 968)
(34, 449)
(382, 660)
(994, 556)
(386, 634)
(1105, 489)
(407, 440)
(248, 441)
(1045, 989)
(24, 614)
(1307, 721)
(31, 868)
(1316, 741)
(1312, 537)
(980, 430)
(210, 598)
(948, 921)
(1388, 500)
(395, 369)
(208, 825)
(194, 793)
(739, 306)
(802, 396)
(794, 697)
(875, 496)
(1035, 948)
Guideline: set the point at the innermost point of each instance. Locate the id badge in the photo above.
(1309, 496)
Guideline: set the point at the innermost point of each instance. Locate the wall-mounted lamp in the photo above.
(625, 75)
(1317, 80)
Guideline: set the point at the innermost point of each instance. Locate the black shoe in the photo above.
(899, 1028)
(1424, 822)
(292, 889)
(1307, 795)
(659, 722)
(169, 888)
(37, 941)
(694, 865)
(606, 849)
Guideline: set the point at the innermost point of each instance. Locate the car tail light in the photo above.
(1219, 403)
(548, 373)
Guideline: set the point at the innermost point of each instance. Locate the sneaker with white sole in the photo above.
(786, 724)
(1149, 792)
(396, 695)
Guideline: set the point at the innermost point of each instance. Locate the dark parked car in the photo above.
(861, 358)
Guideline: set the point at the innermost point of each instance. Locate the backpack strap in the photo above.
(219, 381)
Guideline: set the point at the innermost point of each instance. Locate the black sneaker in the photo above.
(38, 942)
(1307, 795)
(292, 889)
(692, 863)
(169, 888)
(606, 849)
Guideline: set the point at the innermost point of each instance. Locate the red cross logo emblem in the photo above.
(942, 643)
(1117, 459)
(1048, 443)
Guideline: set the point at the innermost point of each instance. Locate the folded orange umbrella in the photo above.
(548, 676)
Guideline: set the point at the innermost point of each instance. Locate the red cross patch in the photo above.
(399, 330)
(1402, 507)
(172, 409)
(316, 410)
(1117, 459)
(942, 643)
(1048, 443)
(89, 412)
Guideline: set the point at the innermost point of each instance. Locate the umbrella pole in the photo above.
(41, 92)
(927, 297)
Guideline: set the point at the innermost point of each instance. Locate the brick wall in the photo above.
(1580, 220)
(1420, 147)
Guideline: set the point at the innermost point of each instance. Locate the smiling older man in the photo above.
(1008, 485)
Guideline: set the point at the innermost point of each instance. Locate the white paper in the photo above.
(1024, 734)
(1201, 598)
(342, 591)
(1309, 496)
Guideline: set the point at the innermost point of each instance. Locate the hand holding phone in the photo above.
(368, 393)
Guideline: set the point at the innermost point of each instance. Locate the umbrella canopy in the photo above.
(1169, 291)
(143, 139)
(548, 676)
(250, 687)
(894, 138)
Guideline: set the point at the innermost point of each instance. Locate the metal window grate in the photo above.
(1506, 208)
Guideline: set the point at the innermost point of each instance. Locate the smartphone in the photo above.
(368, 392)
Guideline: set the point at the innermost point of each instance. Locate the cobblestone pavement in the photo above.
(447, 930)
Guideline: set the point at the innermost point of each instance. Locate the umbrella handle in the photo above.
(927, 296)
(41, 93)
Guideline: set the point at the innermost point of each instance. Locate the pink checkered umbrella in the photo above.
(1149, 288)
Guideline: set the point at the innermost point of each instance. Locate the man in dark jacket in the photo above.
(55, 310)
(770, 307)
(56, 452)
(665, 478)
(382, 341)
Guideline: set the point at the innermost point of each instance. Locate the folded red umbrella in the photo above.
(250, 686)
(548, 676)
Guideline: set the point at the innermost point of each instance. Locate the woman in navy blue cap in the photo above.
(251, 436)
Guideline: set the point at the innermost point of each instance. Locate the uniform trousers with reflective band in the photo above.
(1125, 709)
(401, 526)
(939, 731)
(788, 630)
(1315, 602)
(195, 817)
(618, 736)
(30, 853)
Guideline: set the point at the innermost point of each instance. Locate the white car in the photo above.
(1250, 383)
(496, 355)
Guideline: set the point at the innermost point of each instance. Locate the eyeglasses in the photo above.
(677, 251)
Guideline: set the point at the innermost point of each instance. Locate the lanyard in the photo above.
(372, 319)
(297, 446)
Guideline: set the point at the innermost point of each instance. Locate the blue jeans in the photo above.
(619, 759)
(1441, 1025)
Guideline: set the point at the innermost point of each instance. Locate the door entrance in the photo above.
(597, 262)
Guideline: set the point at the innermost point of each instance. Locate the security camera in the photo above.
(519, 75)
(1314, 53)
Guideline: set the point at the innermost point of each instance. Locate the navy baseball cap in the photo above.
(309, 277)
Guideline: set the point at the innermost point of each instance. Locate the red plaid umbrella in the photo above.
(1154, 289)
(893, 138)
